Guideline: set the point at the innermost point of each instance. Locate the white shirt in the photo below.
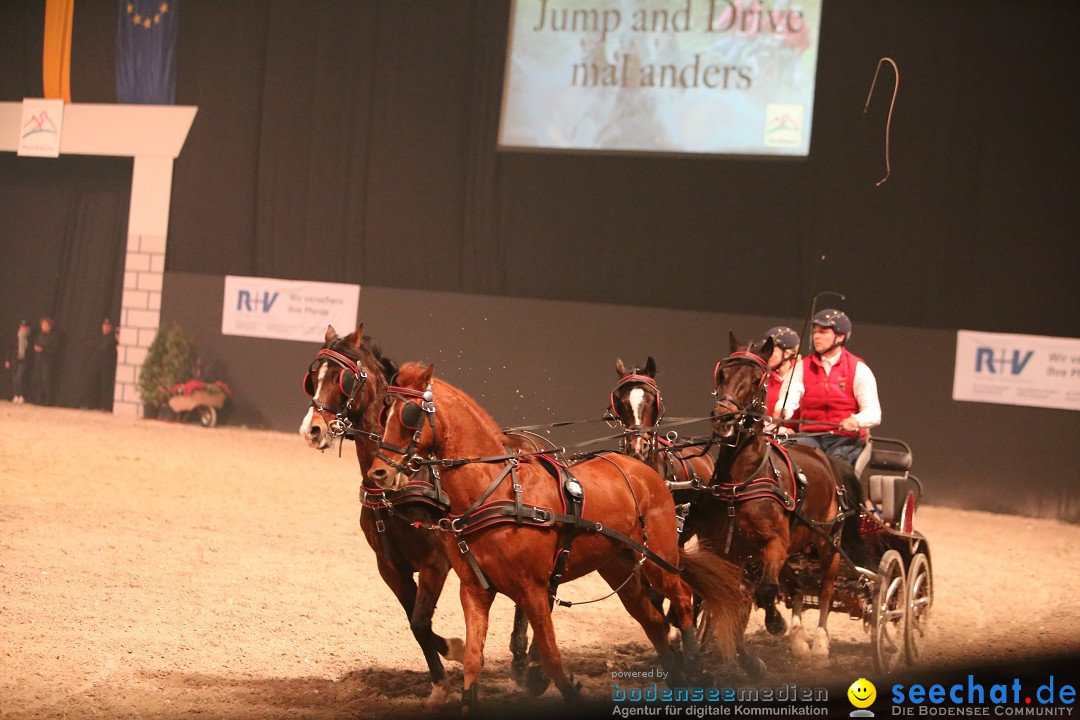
(864, 386)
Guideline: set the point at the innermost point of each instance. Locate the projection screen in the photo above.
(731, 77)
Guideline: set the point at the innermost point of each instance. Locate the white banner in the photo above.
(1030, 370)
(42, 125)
(287, 309)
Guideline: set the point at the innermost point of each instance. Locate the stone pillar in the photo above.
(140, 316)
(144, 273)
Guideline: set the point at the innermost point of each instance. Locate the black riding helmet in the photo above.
(835, 319)
(783, 337)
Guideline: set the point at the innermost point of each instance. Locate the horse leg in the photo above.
(431, 579)
(537, 606)
(748, 660)
(800, 647)
(773, 557)
(476, 604)
(400, 582)
(819, 654)
(525, 667)
(635, 598)
(519, 646)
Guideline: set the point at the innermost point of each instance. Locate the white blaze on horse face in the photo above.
(321, 440)
(636, 401)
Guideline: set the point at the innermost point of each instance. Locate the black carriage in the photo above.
(893, 599)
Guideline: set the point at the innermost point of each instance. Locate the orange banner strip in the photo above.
(56, 59)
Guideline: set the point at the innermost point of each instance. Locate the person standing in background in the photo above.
(104, 378)
(46, 357)
(18, 361)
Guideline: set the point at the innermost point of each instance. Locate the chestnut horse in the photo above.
(347, 384)
(770, 500)
(505, 531)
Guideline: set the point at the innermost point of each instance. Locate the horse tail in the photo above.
(719, 584)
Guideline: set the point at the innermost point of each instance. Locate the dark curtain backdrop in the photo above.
(63, 237)
(355, 141)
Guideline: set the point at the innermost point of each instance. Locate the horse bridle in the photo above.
(635, 378)
(340, 425)
(411, 461)
(755, 408)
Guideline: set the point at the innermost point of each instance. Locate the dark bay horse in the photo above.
(347, 384)
(512, 519)
(636, 403)
(770, 500)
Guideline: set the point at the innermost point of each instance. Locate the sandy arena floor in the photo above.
(150, 569)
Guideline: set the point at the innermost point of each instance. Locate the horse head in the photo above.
(344, 382)
(740, 386)
(637, 405)
(409, 427)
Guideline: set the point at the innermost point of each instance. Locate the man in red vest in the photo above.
(833, 391)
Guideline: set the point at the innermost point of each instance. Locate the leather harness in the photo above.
(482, 514)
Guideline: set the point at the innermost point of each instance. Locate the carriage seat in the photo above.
(883, 471)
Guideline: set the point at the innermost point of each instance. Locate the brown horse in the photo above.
(347, 384)
(505, 530)
(771, 500)
(637, 405)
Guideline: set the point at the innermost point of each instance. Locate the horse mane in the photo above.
(368, 349)
(409, 372)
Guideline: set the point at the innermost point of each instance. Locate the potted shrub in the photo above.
(170, 360)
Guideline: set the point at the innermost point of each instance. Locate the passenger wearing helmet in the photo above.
(783, 359)
(833, 391)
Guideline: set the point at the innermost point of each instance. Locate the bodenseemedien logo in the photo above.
(862, 694)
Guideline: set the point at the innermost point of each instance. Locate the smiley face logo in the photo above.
(862, 693)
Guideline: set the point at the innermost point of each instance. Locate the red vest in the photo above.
(828, 398)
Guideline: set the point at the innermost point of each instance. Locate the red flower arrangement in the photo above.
(192, 386)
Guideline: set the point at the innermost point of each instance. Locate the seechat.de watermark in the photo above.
(1045, 697)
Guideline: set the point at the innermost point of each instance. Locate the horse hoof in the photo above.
(455, 649)
(819, 654)
(440, 696)
(518, 668)
(776, 625)
(800, 650)
(571, 691)
(753, 666)
(536, 680)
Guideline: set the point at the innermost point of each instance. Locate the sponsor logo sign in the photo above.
(287, 309)
(1031, 370)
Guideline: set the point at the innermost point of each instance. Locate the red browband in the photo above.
(343, 360)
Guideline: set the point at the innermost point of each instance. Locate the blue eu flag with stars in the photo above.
(146, 52)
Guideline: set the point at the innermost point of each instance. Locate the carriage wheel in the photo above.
(920, 585)
(207, 415)
(890, 613)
